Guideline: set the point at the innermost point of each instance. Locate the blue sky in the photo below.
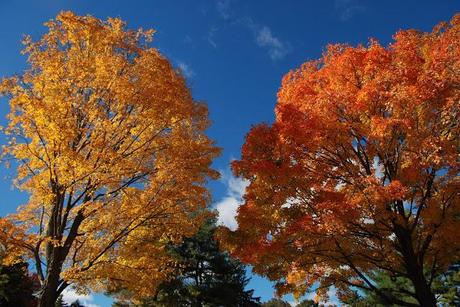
(234, 54)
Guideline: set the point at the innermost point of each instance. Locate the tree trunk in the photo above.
(53, 285)
(55, 256)
(414, 269)
(49, 292)
(423, 291)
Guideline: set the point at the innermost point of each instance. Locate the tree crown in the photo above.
(360, 169)
(112, 149)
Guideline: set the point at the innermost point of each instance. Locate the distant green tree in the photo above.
(17, 286)
(208, 278)
(399, 287)
(276, 302)
(76, 304)
(307, 303)
(60, 302)
(446, 287)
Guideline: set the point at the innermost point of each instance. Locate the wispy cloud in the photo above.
(263, 35)
(223, 8)
(276, 48)
(227, 207)
(211, 36)
(348, 8)
(70, 295)
(186, 69)
(188, 39)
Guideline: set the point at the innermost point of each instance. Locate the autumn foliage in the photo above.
(112, 149)
(359, 171)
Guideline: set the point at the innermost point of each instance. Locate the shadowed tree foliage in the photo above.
(276, 302)
(446, 287)
(208, 276)
(60, 302)
(17, 286)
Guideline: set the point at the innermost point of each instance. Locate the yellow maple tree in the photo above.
(112, 149)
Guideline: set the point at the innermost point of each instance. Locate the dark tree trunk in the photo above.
(423, 291)
(49, 291)
(55, 256)
(414, 268)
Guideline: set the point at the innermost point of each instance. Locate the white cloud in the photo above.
(378, 168)
(331, 293)
(291, 201)
(348, 8)
(276, 48)
(223, 8)
(237, 186)
(70, 295)
(186, 69)
(227, 207)
(188, 39)
(211, 36)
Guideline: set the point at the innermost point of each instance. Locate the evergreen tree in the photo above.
(448, 286)
(307, 303)
(17, 286)
(60, 302)
(208, 276)
(276, 302)
(445, 286)
(76, 304)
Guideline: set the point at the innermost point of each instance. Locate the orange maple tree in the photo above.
(359, 171)
(111, 148)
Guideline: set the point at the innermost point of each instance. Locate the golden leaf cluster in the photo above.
(111, 148)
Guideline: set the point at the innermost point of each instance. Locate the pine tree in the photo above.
(446, 287)
(276, 302)
(17, 286)
(208, 277)
(76, 304)
(60, 302)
